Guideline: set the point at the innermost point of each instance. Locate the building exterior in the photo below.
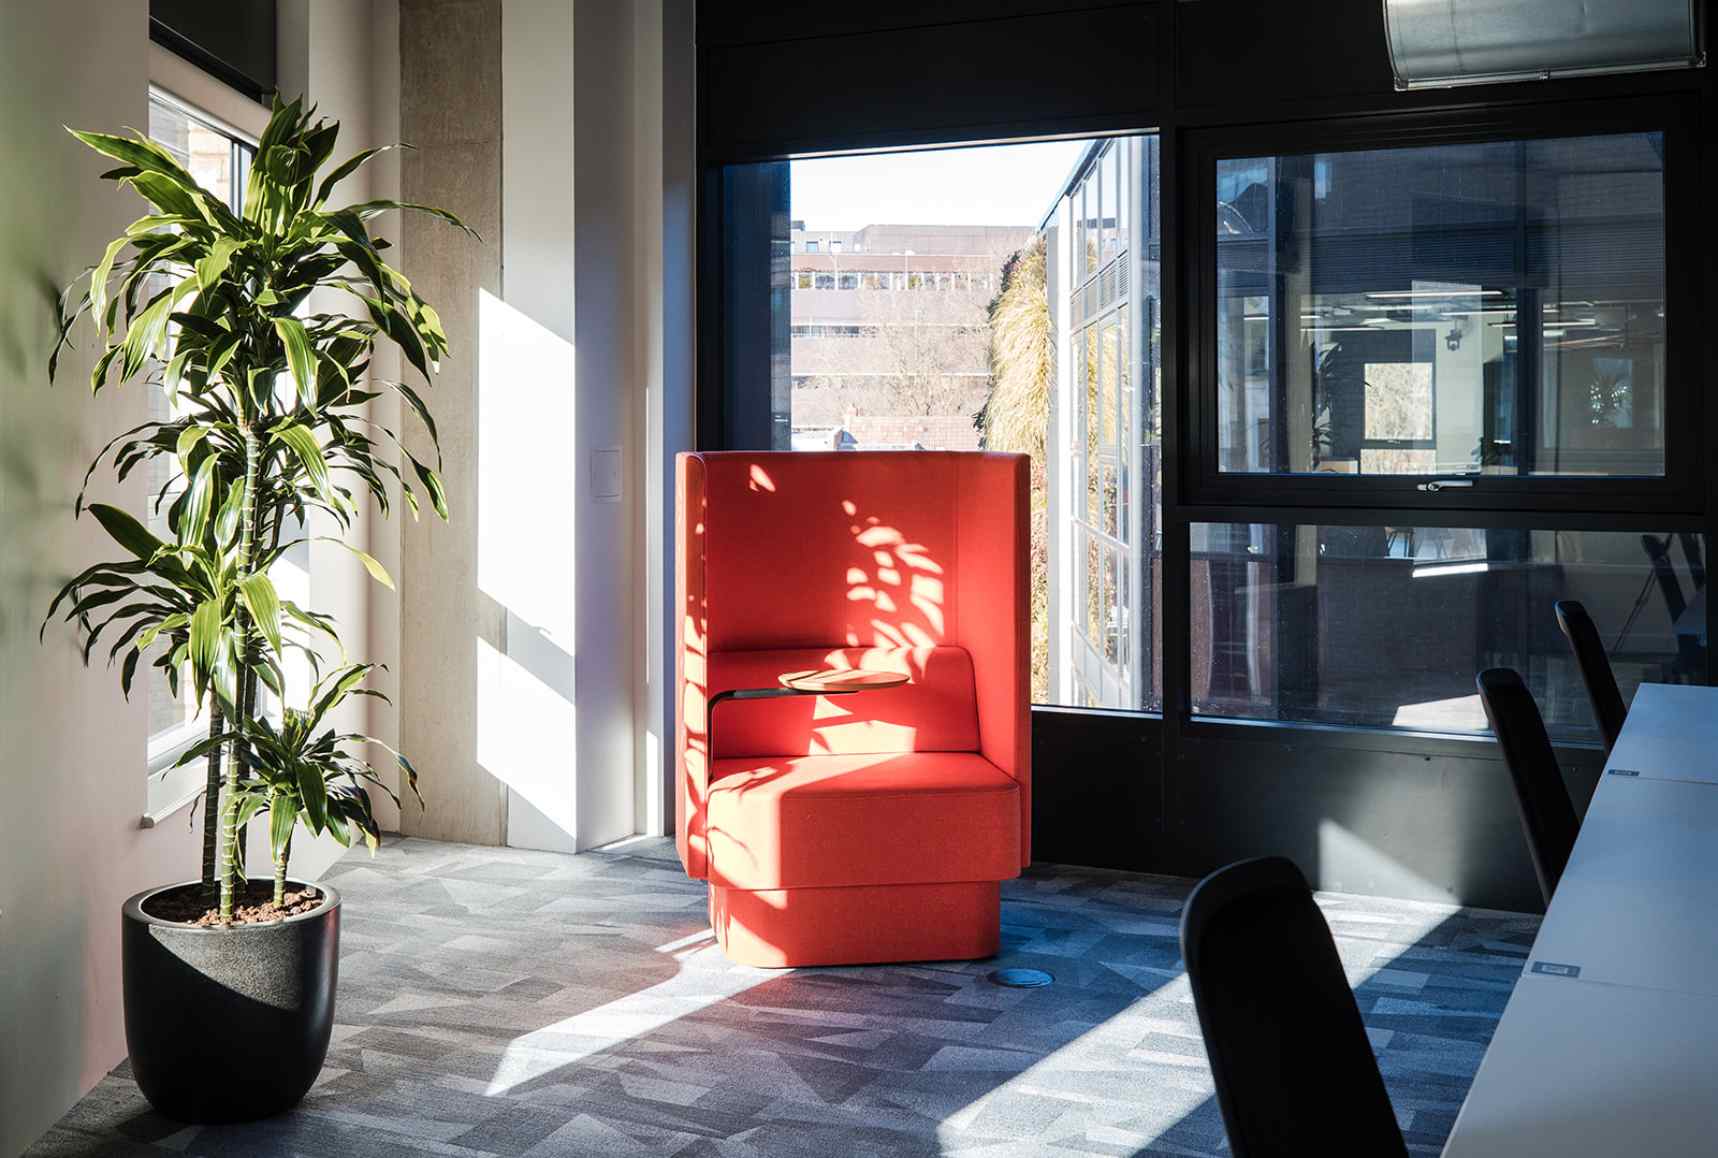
(889, 334)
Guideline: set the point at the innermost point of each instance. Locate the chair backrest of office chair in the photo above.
(1601, 682)
(1294, 1068)
(1547, 813)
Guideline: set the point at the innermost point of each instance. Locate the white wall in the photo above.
(72, 772)
(591, 334)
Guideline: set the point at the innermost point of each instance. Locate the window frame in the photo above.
(1682, 487)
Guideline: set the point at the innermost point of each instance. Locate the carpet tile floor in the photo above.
(498, 1002)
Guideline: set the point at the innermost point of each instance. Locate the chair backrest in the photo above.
(1608, 707)
(1547, 813)
(1658, 551)
(1696, 558)
(1295, 1071)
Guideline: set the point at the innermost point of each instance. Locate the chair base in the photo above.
(862, 925)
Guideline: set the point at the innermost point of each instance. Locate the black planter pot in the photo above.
(228, 1025)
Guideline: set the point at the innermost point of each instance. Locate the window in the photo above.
(983, 327)
(811, 245)
(1489, 309)
(219, 159)
(1386, 626)
(1392, 342)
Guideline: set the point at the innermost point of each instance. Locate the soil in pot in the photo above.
(189, 905)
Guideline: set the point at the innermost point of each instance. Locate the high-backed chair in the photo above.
(1547, 814)
(1294, 1068)
(1601, 682)
(875, 826)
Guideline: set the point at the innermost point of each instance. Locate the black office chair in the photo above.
(1295, 1072)
(1547, 813)
(1658, 553)
(1696, 558)
(1690, 655)
(1608, 707)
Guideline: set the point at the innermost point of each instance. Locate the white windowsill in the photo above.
(172, 789)
(174, 801)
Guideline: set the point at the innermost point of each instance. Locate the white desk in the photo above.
(1579, 1069)
(1671, 734)
(1609, 1041)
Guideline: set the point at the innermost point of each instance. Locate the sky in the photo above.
(985, 185)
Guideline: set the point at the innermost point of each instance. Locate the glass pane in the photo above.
(1387, 626)
(1491, 308)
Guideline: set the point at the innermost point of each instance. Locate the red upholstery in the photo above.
(862, 820)
(906, 804)
(934, 712)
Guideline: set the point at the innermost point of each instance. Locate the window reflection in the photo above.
(1385, 626)
(1491, 309)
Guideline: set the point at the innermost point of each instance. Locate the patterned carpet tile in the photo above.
(497, 1002)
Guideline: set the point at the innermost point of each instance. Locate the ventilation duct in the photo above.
(1437, 43)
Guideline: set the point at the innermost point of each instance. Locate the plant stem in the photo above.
(231, 870)
(280, 801)
(211, 799)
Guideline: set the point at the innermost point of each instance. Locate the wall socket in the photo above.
(605, 474)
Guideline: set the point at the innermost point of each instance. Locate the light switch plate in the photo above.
(605, 474)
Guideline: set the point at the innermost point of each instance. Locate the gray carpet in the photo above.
(498, 1002)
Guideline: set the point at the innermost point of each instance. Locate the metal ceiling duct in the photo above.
(1438, 43)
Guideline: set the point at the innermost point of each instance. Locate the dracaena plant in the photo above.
(234, 317)
(303, 773)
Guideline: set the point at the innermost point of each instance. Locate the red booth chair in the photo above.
(874, 826)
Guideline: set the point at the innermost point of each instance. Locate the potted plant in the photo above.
(229, 982)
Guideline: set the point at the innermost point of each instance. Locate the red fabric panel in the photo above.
(691, 678)
(829, 550)
(931, 713)
(992, 589)
(855, 926)
(925, 817)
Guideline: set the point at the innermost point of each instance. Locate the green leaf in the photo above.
(260, 599)
(297, 438)
(211, 266)
(432, 483)
(314, 792)
(104, 270)
(368, 209)
(127, 531)
(227, 518)
(282, 818)
(300, 356)
(377, 572)
(140, 153)
(346, 168)
(206, 636)
(199, 497)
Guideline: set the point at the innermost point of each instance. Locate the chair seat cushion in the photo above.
(877, 819)
(933, 711)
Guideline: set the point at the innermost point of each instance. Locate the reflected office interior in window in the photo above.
(997, 297)
(1493, 308)
(1385, 626)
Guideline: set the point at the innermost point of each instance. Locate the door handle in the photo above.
(1437, 485)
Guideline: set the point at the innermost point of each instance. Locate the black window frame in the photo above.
(1681, 490)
